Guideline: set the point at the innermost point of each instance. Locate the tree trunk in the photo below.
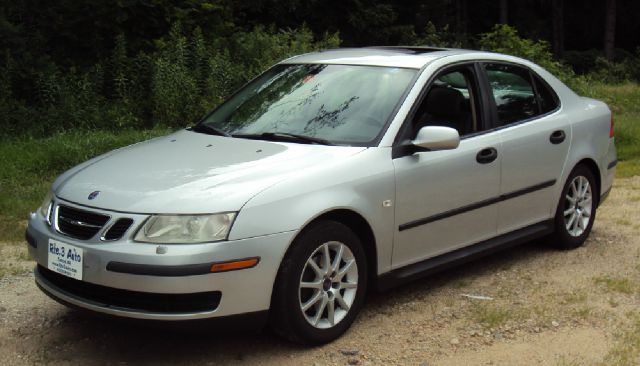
(504, 11)
(558, 27)
(461, 16)
(610, 29)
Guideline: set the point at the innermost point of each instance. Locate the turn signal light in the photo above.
(235, 265)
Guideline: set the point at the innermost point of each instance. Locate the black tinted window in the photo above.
(513, 92)
(548, 99)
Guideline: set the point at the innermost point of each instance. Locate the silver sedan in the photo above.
(330, 174)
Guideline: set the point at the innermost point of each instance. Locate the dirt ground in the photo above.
(545, 306)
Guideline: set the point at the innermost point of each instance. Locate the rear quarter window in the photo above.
(547, 98)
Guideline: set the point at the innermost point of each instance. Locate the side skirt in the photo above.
(463, 255)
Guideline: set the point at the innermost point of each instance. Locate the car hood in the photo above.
(189, 172)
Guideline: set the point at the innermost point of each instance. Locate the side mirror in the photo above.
(436, 138)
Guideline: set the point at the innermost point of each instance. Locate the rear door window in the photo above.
(513, 93)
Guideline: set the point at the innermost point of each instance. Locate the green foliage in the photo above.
(175, 85)
(623, 100)
(582, 62)
(174, 88)
(263, 47)
(29, 165)
(616, 72)
(434, 37)
(66, 100)
(593, 64)
(505, 39)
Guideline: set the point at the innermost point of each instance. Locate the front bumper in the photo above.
(243, 291)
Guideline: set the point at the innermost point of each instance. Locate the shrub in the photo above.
(434, 37)
(505, 39)
(186, 75)
(582, 62)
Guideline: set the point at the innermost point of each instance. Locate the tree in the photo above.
(504, 11)
(609, 29)
(557, 39)
(462, 16)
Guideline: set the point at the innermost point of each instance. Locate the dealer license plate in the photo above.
(65, 259)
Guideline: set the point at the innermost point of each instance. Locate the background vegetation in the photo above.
(81, 77)
(86, 64)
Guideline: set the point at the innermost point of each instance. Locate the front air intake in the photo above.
(79, 224)
(117, 230)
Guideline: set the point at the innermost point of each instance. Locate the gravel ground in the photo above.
(538, 306)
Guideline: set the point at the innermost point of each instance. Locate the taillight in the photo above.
(611, 128)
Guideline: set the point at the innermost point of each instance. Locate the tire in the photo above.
(576, 209)
(301, 290)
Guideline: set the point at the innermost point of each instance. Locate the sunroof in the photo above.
(411, 49)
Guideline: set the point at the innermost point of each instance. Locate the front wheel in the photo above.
(321, 284)
(576, 210)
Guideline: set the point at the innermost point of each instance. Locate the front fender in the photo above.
(360, 183)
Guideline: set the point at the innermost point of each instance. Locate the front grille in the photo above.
(79, 224)
(134, 300)
(118, 229)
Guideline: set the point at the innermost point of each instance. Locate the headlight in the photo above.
(185, 229)
(47, 205)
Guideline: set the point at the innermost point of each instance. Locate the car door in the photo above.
(535, 139)
(443, 198)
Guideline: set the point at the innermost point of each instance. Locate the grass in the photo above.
(492, 316)
(575, 297)
(14, 259)
(622, 285)
(627, 348)
(623, 101)
(29, 166)
(583, 312)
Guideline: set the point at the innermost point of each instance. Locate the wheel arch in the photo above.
(360, 227)
(593, 167)
(363, 230)
(287, 326)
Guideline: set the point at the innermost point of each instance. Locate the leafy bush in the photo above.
(434, 37)
(175, 85)
(624, 68)
(505, 39)
(582, 62)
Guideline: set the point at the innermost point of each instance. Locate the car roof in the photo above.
(394, 56)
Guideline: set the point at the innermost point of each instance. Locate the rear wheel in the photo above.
(321, 284)
(576, 210)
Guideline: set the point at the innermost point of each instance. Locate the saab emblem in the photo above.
(93, 195)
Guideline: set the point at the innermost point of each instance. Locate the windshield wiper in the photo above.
(202, 128)
(279, 136)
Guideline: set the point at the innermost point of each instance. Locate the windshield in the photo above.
(343, 104)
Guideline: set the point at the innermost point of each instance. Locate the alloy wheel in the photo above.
(578, 206)
(328, 285)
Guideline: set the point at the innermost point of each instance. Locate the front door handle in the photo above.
(485, 156)
(557, 137)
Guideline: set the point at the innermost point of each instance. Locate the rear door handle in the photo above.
(557, 137)
(485, 156)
